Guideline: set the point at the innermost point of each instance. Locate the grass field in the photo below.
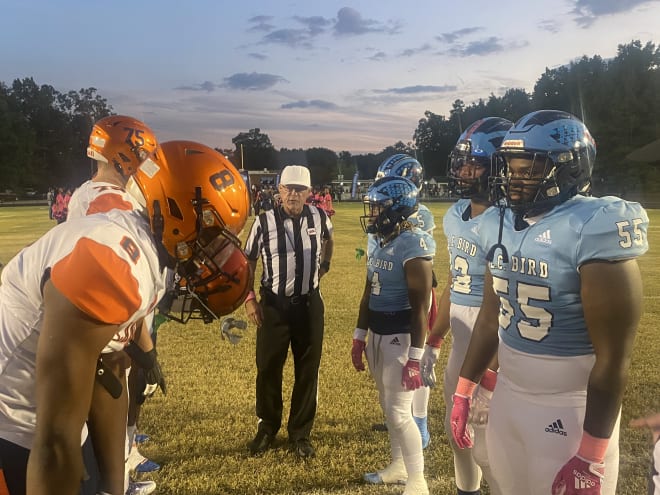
(199, 431)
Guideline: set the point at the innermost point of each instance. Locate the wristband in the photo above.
(415, 353)
(325, 265)
(489, 380)
(435, 341)
(360, 334)
(465, 387)
(250, 296)
(592, 449)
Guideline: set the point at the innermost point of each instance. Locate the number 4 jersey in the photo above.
(539, 288)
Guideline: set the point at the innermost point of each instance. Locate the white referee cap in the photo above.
(295, 175)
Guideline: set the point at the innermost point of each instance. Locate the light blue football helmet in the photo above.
(469, 162)
(402, 165)
(389, 201)
(563, 154)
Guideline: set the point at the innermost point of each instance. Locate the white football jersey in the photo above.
(105, 264)
(99, 197)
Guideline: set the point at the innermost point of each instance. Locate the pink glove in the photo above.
(359, 343)
(356, 354)
(583, 474)
(412, 376)
(579, 477)
(460, 429)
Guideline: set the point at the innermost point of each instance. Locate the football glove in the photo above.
(481, 399)
(460, 429)
(154, 377)
(411, 378)
(579, 477)
(357, 350)
(429, 358)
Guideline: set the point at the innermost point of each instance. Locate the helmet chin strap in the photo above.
(157, 227)
(491, 251)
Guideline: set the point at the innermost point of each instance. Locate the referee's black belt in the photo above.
(286, 302)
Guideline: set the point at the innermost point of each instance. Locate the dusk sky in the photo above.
(351, 76)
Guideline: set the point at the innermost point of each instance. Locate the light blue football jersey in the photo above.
(539, 288)
(423, 219)
(467, 258)
(389, 290)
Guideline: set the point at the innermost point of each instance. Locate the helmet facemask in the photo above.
(389, 201)
(548, 180)
(468, 173)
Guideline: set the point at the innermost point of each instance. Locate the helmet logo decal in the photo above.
(222, 180)
(565, 135)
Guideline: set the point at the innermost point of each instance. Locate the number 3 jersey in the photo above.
(105, 264)
(385, 271)
(539, 288)
(467, 258)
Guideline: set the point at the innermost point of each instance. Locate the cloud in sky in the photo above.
(261, 23)
(409, 52)
(549, 25)
(314, 24)
(452, 36)
(407, 90)
(253, 81)
(487, 46)
(290, 37)
(350, 22)
(207, 86)
(323, 105)
(587, 11)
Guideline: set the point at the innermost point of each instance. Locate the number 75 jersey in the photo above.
(539, 288)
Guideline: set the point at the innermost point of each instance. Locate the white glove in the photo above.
(427, 365)
(480, 406)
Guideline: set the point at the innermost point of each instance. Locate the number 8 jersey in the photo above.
(539, 288)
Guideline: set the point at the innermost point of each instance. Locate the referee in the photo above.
(295, 243)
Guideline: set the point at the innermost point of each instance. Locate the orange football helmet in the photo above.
(122, 141)
(197, 203)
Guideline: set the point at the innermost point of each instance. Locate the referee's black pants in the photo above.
(300, 326)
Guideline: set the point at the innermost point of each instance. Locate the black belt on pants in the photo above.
(286, 302)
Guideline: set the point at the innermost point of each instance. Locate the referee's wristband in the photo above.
(325, 265)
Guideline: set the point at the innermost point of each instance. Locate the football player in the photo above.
(468, 172)
(119, 144)
(562, 296)
(393, 319)
(85, 283)
(402, 165)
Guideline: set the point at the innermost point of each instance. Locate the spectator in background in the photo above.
(325, 201)
(50, 198)
(59, 208)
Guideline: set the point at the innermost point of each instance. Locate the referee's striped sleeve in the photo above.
(253, 242)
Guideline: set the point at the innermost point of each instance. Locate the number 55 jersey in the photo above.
(539, 288)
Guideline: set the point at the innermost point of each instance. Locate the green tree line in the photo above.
(43, 133)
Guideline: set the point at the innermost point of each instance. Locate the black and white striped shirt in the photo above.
(290, 248)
